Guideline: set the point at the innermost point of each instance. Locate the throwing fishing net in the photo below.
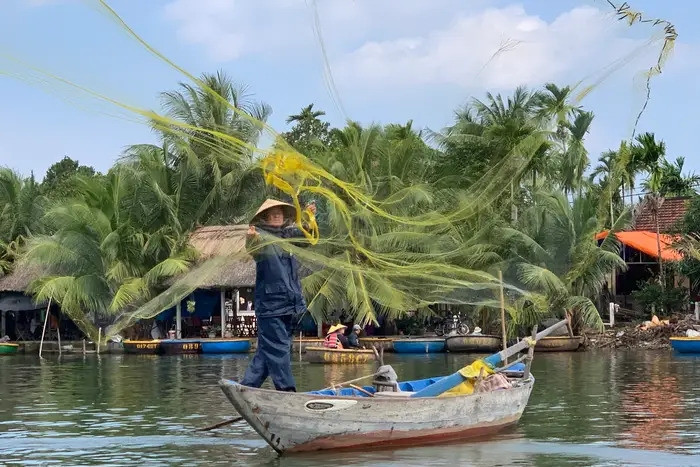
(386, 241)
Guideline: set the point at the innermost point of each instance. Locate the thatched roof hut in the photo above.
(19, 279)
(222, 254)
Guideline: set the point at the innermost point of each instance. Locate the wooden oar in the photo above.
(448, 382)
(220, 424)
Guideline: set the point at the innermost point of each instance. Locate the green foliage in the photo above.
(666, 299)
(62, 178)
(309, 135)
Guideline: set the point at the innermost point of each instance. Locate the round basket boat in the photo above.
(473, 343)
(558, 344)
(151, 347)
(342, 356)
(219, 346)
(686, 344)
(385, 343)
(181, 346)
(7, 348)
(419, 345)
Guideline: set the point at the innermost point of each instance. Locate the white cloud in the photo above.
(495, 48)
(373, 45)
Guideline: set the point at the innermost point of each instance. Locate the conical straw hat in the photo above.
(336, 327)
(289, 210)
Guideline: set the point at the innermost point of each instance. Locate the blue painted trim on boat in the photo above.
(409, 346)
(686, 346)
(232, 346)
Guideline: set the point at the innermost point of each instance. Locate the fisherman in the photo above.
(354, 337)
(279, 302)
(335, 339)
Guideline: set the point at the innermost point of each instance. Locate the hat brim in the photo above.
(289, 210)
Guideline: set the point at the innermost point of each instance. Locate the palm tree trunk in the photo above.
(513, 207)
(658, 243)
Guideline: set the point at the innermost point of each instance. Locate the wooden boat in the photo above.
(473, 343)
(419, 345)
(141, 347)
(180, 346)
(348, 356)
(225, 345)
(686, 344)
(306, 342)
(559, 344)
(361, 418)
(385, 343)
(8, 348)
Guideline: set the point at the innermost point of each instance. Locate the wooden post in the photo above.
(300, 336)
(99, 340)
(43, 332)
(84, 349)
(697, 311)
(223, 312)
(3, 331)
(58, 336)
(237, 307)
(503, 312)
(530, 354)
(178, 320)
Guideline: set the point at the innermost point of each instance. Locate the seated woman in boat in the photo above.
(278, 298)
(335, 339)
(354, 337)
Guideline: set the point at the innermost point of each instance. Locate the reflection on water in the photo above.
(594, 408)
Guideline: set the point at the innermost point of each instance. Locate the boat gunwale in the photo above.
(9, 344)
(349, 351)
(685, 338)
(227, 382)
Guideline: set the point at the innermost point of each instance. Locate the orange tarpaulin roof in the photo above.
(645, 241)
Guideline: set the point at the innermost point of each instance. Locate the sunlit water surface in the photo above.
(591, 408)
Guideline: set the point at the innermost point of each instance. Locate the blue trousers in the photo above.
(273, 356)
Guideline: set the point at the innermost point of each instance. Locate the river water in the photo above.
(590, 408)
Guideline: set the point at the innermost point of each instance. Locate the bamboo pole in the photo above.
(503, 312)
(530, 353)
(58, 335)
(99, 340)
(43, 332)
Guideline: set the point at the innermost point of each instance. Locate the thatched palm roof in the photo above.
(19, 279)
(222, 255)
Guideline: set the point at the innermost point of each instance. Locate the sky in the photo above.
(390, 61)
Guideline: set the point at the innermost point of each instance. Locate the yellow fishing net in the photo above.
(389, 245)
(471, 372)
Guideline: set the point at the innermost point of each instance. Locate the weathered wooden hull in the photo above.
(338, 356)
(385, 343)
(420, 345)
(142, 347)
(686, 344)
(220, 346)
(299, 422)
(7, 348)
(476, 344)
(180, 346)
(558, 344)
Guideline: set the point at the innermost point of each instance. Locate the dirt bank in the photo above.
(632, 336)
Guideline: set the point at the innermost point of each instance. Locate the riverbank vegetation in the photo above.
(510, 186)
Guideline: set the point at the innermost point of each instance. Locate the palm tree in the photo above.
(575, 156)
(306, 114)
(212, 131)
(553, 107)
(554, 253)
(102, 260)
(21, 208)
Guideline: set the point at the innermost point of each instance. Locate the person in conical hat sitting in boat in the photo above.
(335, 339)
(278, 298)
